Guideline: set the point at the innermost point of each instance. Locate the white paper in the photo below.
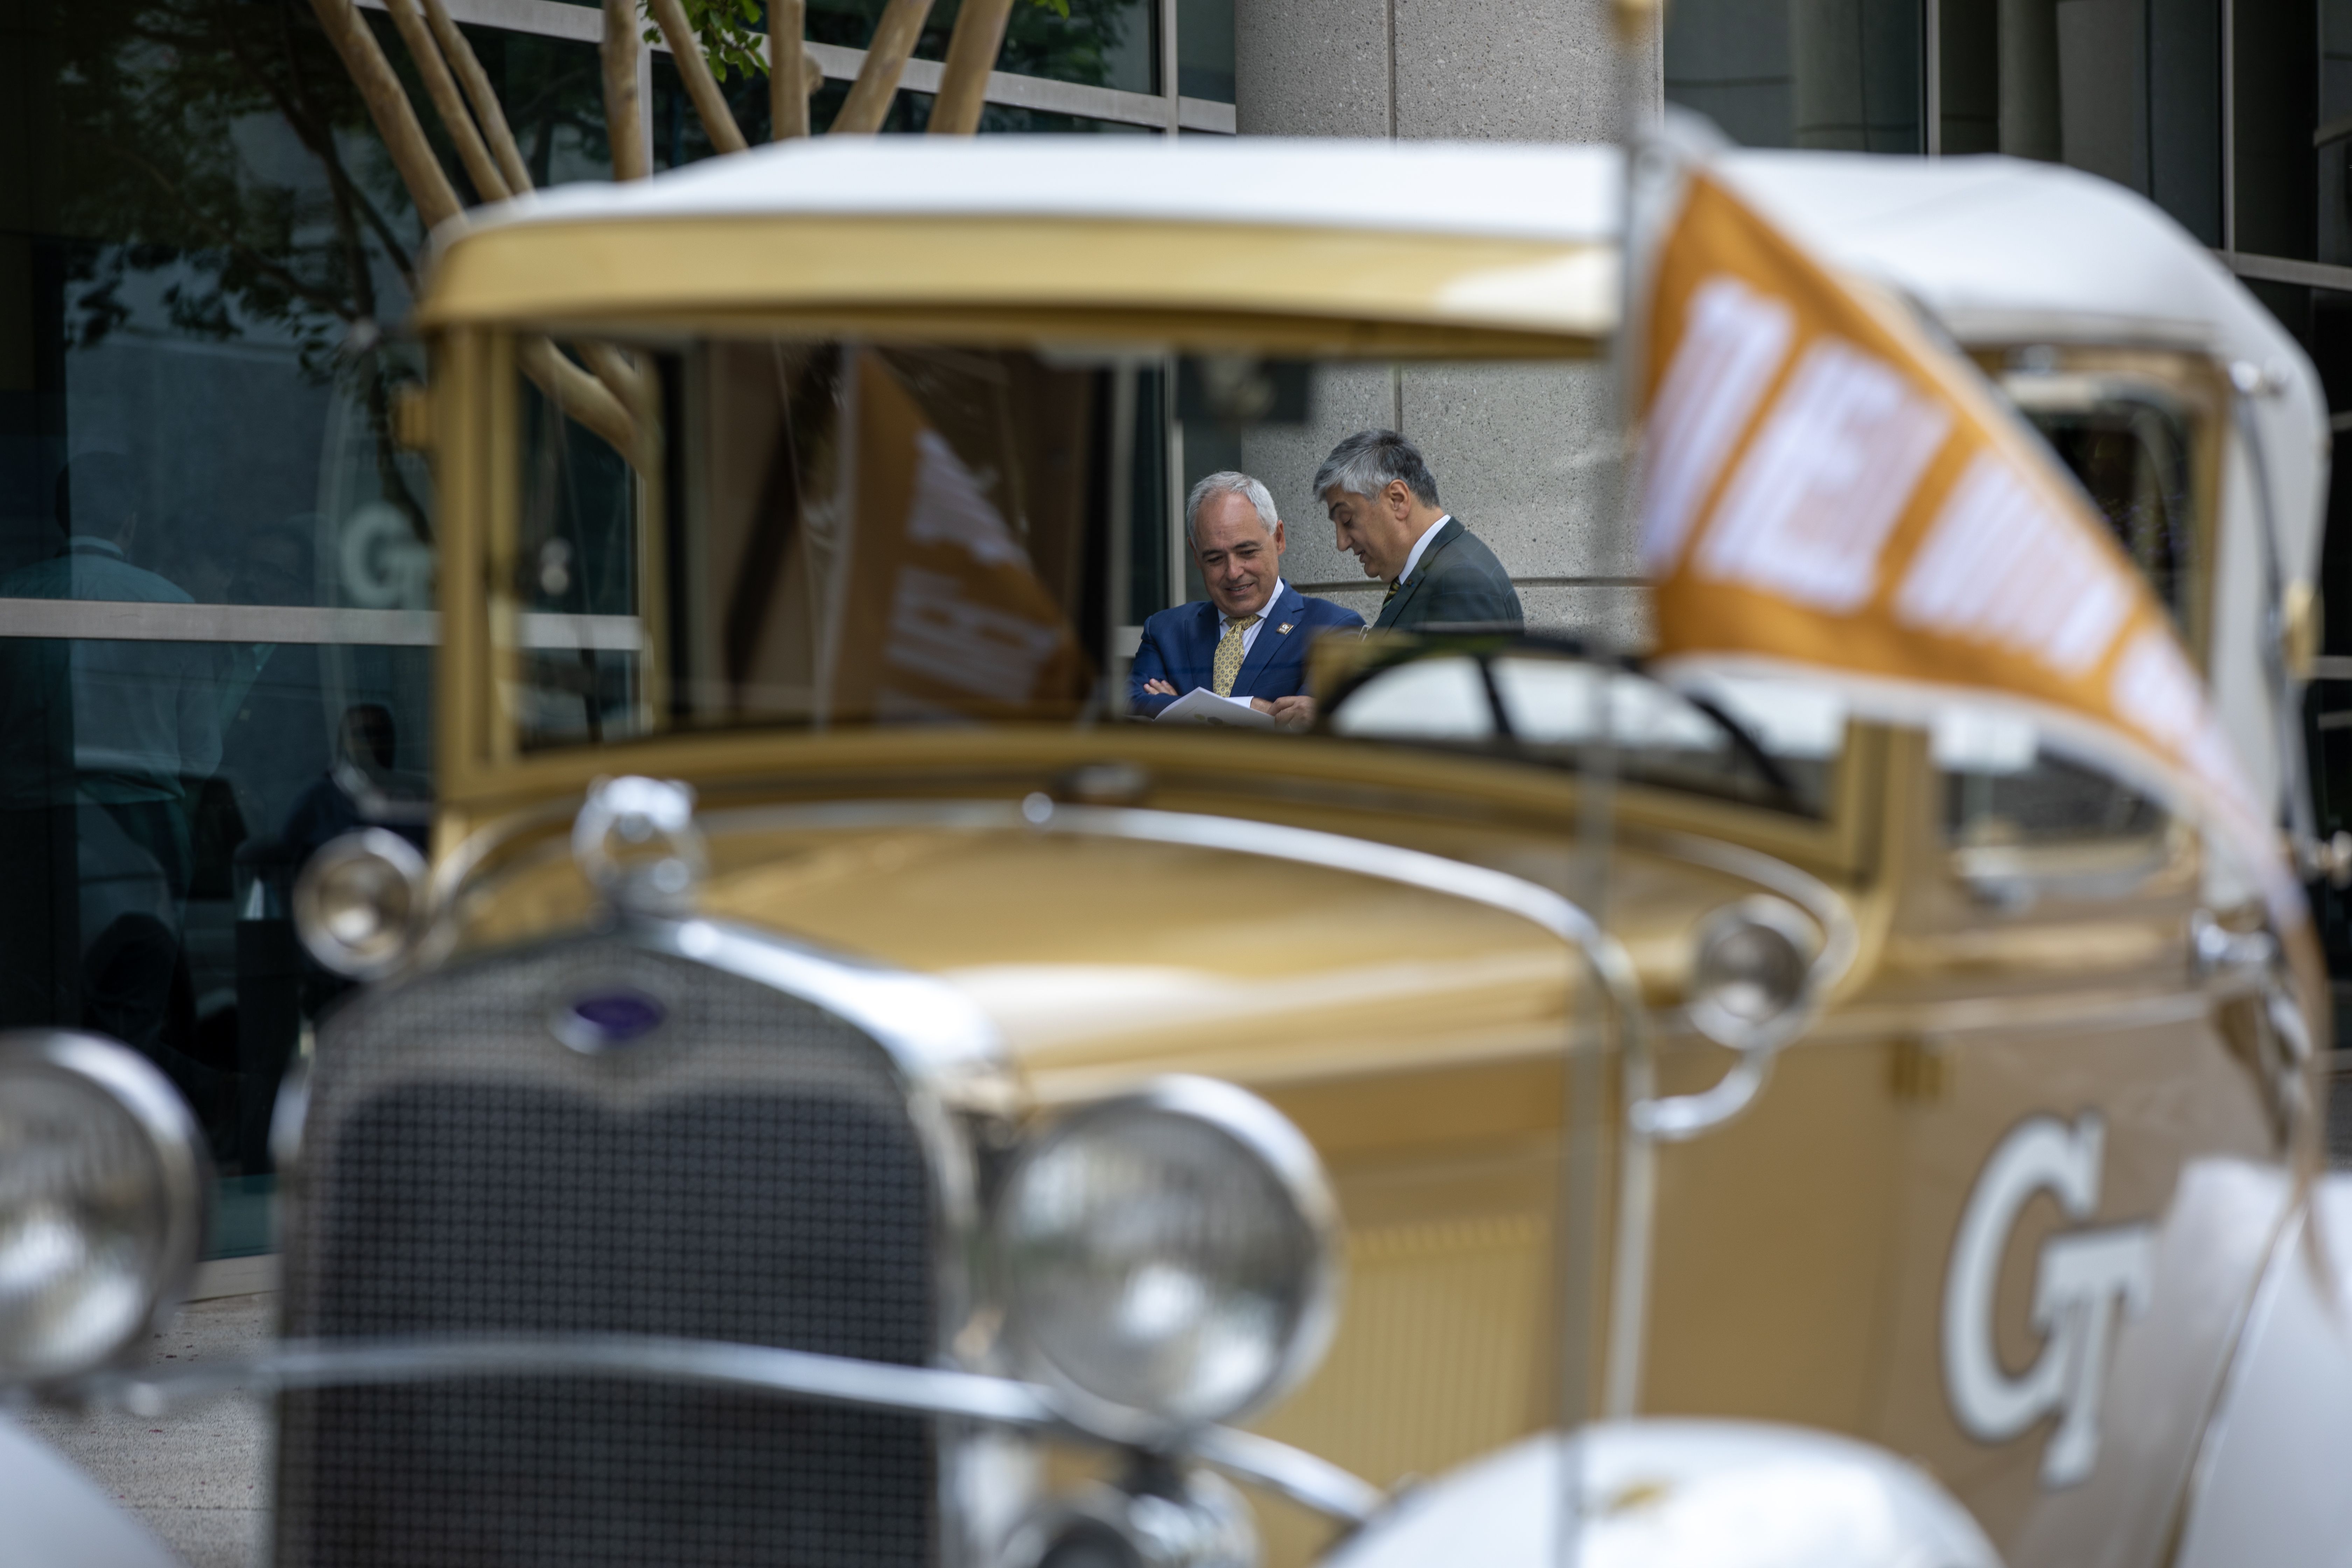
(1202, 705)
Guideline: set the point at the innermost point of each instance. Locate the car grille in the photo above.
(748, 1173)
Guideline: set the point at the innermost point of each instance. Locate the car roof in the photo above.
(1350, 245)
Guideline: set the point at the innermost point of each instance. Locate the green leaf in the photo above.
(725, 30)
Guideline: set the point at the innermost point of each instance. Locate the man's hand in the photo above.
(1159, 689)
(1294, 712)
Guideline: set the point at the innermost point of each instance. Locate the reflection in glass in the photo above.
(1838, 75)
(1760, 743)
(2130, 452)
(2130, 90)
(1101, 43)
(205, 282)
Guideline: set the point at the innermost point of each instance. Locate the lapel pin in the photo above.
(1283, 630)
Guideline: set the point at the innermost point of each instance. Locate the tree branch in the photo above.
(291, 283)
(579, 395)
(388, 106)
(624, 121)
(441, 89)
(480, 93)
(971, 54)
(788, 96)
(895, 37)
(686, 49)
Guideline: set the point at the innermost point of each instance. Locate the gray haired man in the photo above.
(1248, 641)
(1384, 503)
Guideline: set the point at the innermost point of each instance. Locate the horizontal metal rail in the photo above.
(297, 1364)
(122, 620)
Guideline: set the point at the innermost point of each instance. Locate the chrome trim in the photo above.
(296, 1364)
(1786, 922)
(1603, 957)
(1262, 1133)
(1301, 846)
(390, 1359)
(937, 1036)
(1757, 1044)
(1677, 1118)
(1304, 1478)
(1841, 939)
(1646, 1117)
(82, 620)
(640, 811)
(155, 1107)
(366, 844)
(952, 1067)
(1161, 1518)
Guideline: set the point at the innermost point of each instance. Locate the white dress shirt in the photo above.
(1249, 634)
(1420, 544)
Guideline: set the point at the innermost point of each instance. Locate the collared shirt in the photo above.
(1249, 633)
(1420, 545)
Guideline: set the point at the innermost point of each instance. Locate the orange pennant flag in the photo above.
(1827, 491)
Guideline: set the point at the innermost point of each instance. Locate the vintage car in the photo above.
(842, 1091)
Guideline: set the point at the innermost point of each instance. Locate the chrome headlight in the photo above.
(359, 903)
(103, 1182)
(1169, 1258)
(1751, 976)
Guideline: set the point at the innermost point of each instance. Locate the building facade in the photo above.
(210, 545)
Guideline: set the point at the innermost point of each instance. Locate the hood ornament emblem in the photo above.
(636, 843)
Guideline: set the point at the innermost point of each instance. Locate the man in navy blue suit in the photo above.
(1248, 641)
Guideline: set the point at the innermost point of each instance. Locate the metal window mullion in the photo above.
(2229, 127)
(1169, 83)
(1931, 100)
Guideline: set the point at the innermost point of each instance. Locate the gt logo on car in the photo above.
(2081, 1281)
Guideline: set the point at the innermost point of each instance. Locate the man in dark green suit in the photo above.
(1384, 503)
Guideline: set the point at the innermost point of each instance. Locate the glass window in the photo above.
(1843, 75)
(217, 564)
(1204, 49)
(1545, 706)
(857, 533)
(2131, 453)
(2128, 89)
(1101, 43)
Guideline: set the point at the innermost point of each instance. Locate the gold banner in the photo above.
(1825, 488)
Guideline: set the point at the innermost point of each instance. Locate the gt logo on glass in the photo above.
(2082, 1281)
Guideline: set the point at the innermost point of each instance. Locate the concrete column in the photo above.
(1527, 457)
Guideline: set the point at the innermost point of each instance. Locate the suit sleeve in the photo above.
(1149, 664)
(1482, 595)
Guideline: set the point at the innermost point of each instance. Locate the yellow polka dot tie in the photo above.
(1229, 655)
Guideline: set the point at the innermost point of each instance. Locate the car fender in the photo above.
(2269, 1484)
(1681, 1494)
(54, 1516)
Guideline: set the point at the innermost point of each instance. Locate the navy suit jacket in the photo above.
(1179, 646)
(1457, 580)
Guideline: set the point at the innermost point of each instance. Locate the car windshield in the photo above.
(827, 534)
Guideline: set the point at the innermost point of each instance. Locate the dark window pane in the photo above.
(1204, 49)
(214, 659)
(1101, 43)
(2128, 90)
(1835, 74)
